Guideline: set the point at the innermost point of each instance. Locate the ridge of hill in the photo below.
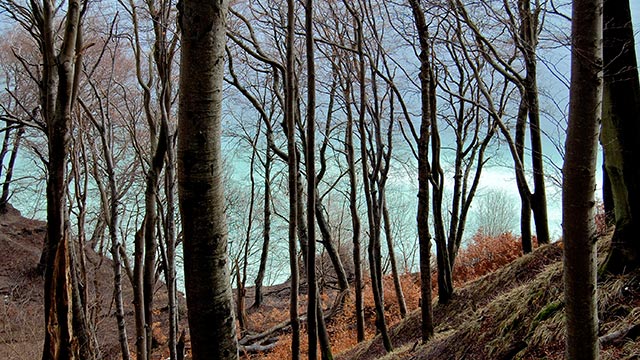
(516, 312)
(21, 290)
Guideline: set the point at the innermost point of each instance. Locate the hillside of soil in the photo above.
(512, 312)
(21, 290)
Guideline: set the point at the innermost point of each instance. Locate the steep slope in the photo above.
(21, 303)
(516, 313)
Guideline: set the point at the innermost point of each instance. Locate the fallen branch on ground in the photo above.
(631, 332)
(250, 340)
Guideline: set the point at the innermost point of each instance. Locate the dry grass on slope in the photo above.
(517, 312)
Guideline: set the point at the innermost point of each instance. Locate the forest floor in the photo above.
(512, 311)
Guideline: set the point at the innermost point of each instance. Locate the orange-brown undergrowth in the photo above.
(482, 255)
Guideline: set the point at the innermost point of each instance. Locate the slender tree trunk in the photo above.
(138, 295)
(200, 187)
(292, 163)
(170, 239)
(445, 267)
(110, 208)
(538, 197)
(578, 202)
(327, 242)
(521, 180)
(117, 265)
(312, 300)
(355, 217)
(4, 199)
(266, 232)
(529, 42)
(424, 237)
(373, 212)
(150, 241)
(392, 259)
(240, 303)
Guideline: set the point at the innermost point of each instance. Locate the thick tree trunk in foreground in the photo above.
(579, 183)
(200, 187)
(620, 132)
(67, 335)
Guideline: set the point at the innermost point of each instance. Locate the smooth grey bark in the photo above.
(579, 182)
(110, 202)
(200, 186)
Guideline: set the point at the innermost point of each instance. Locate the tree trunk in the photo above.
(66, 333)
(170, 240)
(578, 202)
(240, 300)
(111, 212)
(266, 235)
(292, 163)
(4, 199)
(620, 131)
(521, 180)
(138, 295)
(312, 299)
(149, 231)
(402, 305)
(200, 187)
(353, 209)
(445, 267)
(327, 242)
(528, 44)
(424, 237)
(374, 215)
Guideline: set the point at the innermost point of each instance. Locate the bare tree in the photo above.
(290, 114)
(312, 285)
(424, 235)
(578, 203)
(523, 27)
(67, 333)
(200, 188)
(494, 213)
